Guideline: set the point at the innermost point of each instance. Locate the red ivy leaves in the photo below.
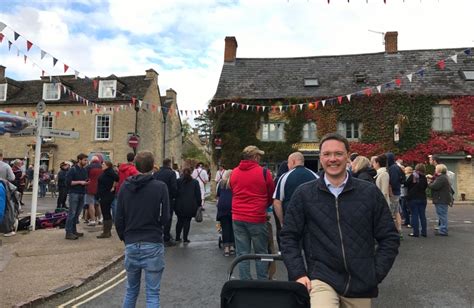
(463, 115)
(366, 149)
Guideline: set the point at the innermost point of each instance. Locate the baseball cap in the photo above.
(252, 150)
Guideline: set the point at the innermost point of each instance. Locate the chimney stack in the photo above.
(391, 42)
(151, 74)
(230, 51)
(2, 71)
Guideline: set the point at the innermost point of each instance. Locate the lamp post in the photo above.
(40, 108)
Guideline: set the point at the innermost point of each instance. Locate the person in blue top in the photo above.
(289, 181)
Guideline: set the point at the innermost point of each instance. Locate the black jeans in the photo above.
(62, 197)
(167, 226)
(183, 223)
(105, 206)
(227, 230)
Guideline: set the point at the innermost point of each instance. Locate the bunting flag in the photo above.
(441, 64)
(410, 76)
(9, 45)
(368, 92)
(24, 58)
(16, 35)
(339, 99)
(43, 53)
(398, 82)
(379, 88)
(454, 58)
(1, 37)
(348, 97)
(66, 67)
(2, 26)
(28, 45)
(323, 102)
(55, 61)
(467, 51)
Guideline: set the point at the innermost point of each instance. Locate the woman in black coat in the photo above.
(106, 195)
(361, 169)
(187, 202)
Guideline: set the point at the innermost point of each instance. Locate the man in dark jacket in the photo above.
(338, 218)
(397, 177)
(142, 211)
(168, 176)
(77, 182)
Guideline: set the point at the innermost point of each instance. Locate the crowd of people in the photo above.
(346, 219)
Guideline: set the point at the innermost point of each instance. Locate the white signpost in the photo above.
(49, 132)
(40, 108)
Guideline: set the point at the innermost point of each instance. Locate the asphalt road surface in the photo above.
(429, 272)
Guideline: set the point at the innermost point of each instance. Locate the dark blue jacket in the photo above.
(339, 237)
(397, 176)
(168, 176)
(142, 210)
(76, 173)
(224, 205)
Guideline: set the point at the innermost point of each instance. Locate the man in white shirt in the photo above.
(201, 176)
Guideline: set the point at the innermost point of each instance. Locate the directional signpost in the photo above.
(69, 134)
(29, 131)
(40, 108)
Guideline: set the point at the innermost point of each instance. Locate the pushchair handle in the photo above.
(257, 257)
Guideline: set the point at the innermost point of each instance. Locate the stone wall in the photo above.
(465, 178)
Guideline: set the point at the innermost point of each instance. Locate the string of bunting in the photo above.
(397, 82)
(143, 105)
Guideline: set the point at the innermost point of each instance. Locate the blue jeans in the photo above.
(247, 234)
(442, 212)
(150, 258)
(76, 202)
(113, 207)
(405, 210)
(42, 189)
(418, 216)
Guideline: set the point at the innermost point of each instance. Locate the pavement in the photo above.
(36, 266)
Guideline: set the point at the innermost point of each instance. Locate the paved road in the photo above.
(429, 272)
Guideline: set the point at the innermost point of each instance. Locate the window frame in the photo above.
(353, 130)
(280, 130)
(103, 87)
(3, 95)
(58, 91)
(440, 118)
(309, 139)
(96, 132)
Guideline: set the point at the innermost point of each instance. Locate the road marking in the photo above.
(93, 290)
(99, 293)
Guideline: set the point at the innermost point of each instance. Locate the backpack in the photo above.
(11, 208)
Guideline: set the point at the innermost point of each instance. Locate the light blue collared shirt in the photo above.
(333, 189)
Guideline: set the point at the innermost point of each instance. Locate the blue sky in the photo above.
(183, 40)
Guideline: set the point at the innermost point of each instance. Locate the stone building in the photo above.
(342, 93)
(105, 112)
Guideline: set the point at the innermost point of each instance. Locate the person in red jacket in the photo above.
(252, 190)
(94, 170)
(126, 170)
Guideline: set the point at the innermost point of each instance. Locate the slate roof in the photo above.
(30, 92)
(272, 78)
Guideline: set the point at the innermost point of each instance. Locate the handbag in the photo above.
(198, 216)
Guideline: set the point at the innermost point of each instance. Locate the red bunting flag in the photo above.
(66, 68)
(316, 104)
(95, 83)
(33, 113)
(134, 100)
(368, 91)
(441, 64)
(398, 82)
(78, 112)
(1, 37)
(57, 114)
(28, 45)
(339, 99)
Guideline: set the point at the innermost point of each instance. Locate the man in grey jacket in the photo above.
(6, 171)
(339, 218)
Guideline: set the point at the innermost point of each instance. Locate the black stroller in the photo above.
(262, 293)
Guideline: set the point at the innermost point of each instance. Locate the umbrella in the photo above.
(11, 123)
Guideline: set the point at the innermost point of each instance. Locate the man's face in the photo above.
(83, 162)
(334, 158)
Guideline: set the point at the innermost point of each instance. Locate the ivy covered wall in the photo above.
(378, 114)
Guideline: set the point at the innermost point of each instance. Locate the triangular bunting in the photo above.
(348, 97)
(9, 45)
(54, 61)
(24, 58)
(33, 113)
(16, 35)
(28, 45)
(421, 73)
(379, 89)
(441, 64)
(76, 74)
(339, 99)
(66, 67)
(454, 58)
(323, 102)
(368, 91)
(398, 82)
(1, 37)
(43, 53)
(410, 77)
(467, 51)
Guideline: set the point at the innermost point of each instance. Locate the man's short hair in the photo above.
(335, 136)
(81, 156)
(435, 158)
(381, 160)
(144, 161)
(130, 157)
(167, 162)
